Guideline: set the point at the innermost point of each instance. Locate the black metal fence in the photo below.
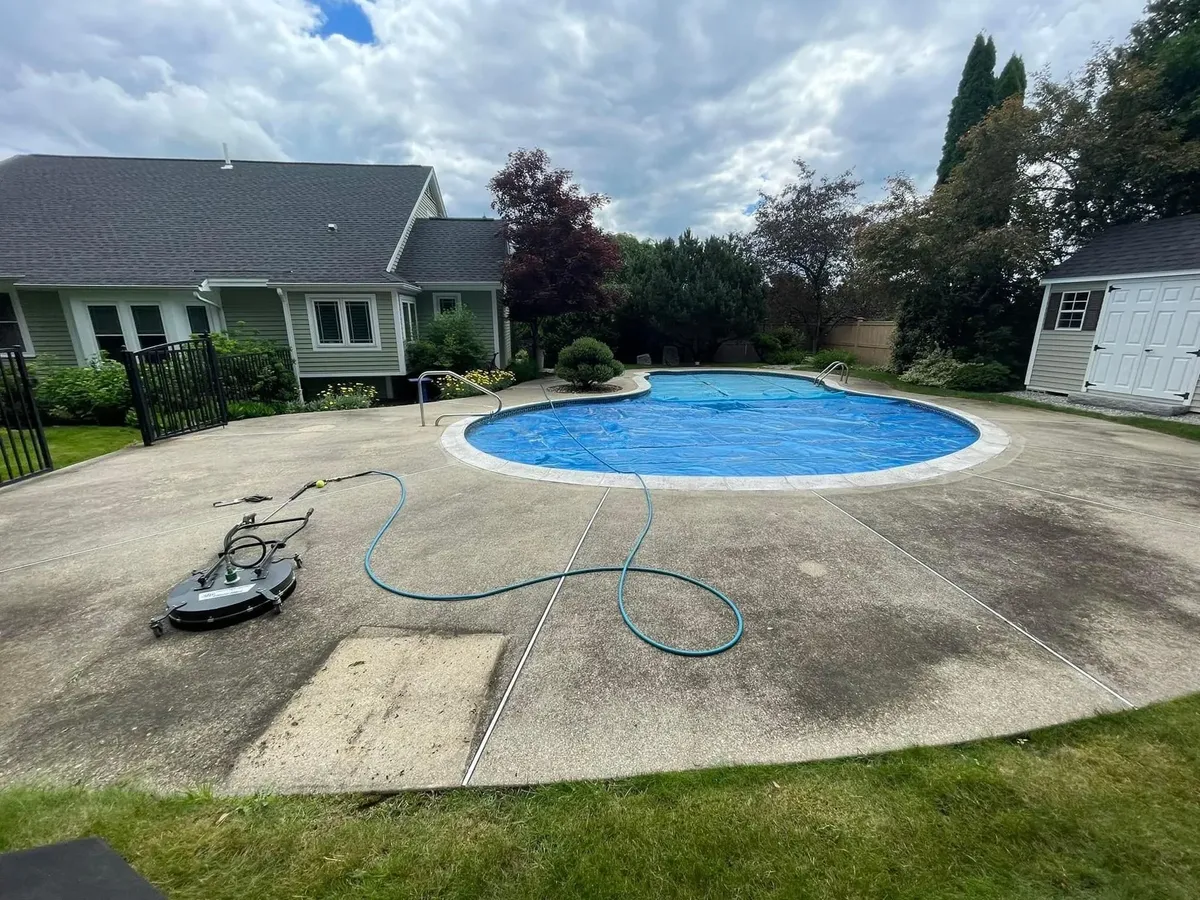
(176, 388)
(23, 448)
(267, 376)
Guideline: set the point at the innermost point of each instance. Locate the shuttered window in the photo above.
(1071, 309)
(344, 323)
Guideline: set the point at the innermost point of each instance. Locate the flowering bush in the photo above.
(343, 396)
(496, 380)
(934, 369)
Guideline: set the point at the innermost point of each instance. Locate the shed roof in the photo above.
(1140, 248)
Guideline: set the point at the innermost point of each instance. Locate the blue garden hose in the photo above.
(624, 569)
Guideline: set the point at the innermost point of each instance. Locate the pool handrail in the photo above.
(831, 368)
(447, 373)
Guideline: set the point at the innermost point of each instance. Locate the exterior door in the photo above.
(1119, 339)
(1171, 357)
(1148, 340)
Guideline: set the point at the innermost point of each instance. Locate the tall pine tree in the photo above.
(1011, 80)
(976, 94)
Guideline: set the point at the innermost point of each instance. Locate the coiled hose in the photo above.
(625, 569)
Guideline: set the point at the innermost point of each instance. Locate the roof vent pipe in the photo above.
(228, 161)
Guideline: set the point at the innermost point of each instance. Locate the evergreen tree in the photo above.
(1011, 80)
(976, 94)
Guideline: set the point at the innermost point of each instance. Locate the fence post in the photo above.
(39, 433)
(138, 393)
(214, 368)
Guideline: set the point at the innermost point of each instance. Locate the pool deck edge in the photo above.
(992, 441)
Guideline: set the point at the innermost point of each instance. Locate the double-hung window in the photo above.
(198, 322)
(1071, 311)
(11, 334)
(343, 322)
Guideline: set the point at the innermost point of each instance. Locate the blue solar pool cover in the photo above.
(727, 424)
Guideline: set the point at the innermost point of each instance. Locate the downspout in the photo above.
(287, 324)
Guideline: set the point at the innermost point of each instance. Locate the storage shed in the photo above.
(1120, 320)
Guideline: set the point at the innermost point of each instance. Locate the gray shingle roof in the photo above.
(1165, 245)
(75, 220)
(453, 250)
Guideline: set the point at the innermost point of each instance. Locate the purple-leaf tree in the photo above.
(560, 260)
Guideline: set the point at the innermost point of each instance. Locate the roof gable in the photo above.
(119, 221)
(453, 250)
(1140, 248)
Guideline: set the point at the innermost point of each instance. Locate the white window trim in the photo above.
(311, 301)
(1074, 295)
(29, 351)
(125, 317)
(438, 296)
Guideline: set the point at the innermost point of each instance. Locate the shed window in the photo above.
(1071, 310)
(10, 327)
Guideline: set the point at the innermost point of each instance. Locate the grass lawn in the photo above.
(1103, 808)
(75, 443)
(1163, 426)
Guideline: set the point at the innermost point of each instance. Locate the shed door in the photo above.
(1148, 340)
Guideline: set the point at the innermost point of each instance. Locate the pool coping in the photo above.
(992, 441)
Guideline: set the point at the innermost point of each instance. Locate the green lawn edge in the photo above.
(70, 444)
(1104, 807)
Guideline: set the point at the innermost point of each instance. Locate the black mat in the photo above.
(77, 870)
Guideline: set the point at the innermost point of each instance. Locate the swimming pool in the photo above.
(749, 426)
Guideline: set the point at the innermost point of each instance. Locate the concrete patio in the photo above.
(1060, 579)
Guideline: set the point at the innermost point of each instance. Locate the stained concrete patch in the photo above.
(389, 710)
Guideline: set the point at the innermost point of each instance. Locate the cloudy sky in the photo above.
(680, 111)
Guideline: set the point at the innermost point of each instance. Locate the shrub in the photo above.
(455, 345)
(97, 393)
(495, 380)
(766, 344)
(343, 396)
(421, 356)
(933, 369)
(823, 358)
(524, 368)
(986, 377)
(780, 346)
(254, 409)
(587, 363)
(228, 343)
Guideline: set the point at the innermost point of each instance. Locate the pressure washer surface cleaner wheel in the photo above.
(197, 603)
(247, 579)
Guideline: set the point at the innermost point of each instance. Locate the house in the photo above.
(1120, 320)
(341, 263)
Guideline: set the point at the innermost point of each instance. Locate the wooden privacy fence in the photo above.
(870, 340)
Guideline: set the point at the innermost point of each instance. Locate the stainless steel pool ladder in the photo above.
(833, 367)
(447, 373)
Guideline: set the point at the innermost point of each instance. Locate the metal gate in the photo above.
(23, 449)
(176, 388)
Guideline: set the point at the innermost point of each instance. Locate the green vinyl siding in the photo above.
(313, 362)
(47, 325)
(254, 312)
(478, 302)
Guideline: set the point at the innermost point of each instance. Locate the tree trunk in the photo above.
(533, 343)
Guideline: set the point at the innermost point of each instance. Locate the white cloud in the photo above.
(681, 112)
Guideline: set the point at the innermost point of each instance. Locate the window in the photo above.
(1071, 310)
(444, 303)
(198, 319)
(106, 326)
(409, 312)
(343, 323)
(10, 325)
(148, 324)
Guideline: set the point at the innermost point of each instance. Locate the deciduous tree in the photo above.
(806, 233)
(560, 260)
